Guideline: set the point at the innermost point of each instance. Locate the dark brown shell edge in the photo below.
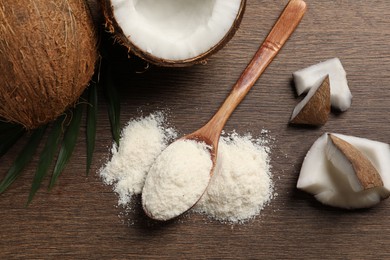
(95, 9)
(113, 27)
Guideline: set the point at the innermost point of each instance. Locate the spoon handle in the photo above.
(281, 31)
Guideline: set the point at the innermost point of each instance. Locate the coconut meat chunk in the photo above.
(305, 79)
(175, 29)
(330, 186)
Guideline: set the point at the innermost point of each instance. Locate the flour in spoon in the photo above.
(177, 179)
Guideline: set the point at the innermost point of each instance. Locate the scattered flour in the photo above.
(177, 179)
(142, 140)
(239, 189)
(241, 185)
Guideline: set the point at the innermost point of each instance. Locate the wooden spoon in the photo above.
(281, 31)
(283, 28)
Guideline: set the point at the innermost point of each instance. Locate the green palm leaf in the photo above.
(91, 124)
(47, 156)
(23, 159)
(68, 143)
(112, 97)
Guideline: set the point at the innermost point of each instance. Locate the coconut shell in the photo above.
(365, 171)
(48, 54)
(114, 28)
(317, 109)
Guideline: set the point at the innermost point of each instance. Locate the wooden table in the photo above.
(79, 218)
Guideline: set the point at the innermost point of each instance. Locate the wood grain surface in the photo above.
(79, 218)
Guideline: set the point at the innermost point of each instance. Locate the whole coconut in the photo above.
(48, 51)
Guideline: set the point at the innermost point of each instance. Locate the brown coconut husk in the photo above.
(114, 28)
(48, 54)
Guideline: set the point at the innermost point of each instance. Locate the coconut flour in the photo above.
(239, 189)
(142, 140)
(241, 184)
(177, 179)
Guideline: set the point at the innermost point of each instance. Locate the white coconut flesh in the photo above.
(334, 184)
(175, 29)
(312, 76)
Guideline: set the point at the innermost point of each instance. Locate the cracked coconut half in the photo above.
(173, 32)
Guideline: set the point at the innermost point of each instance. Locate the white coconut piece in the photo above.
(324, 180)
(305, 79)
(175, 29)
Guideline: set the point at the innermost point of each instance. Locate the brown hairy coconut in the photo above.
(173, 33)
(48, 54)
